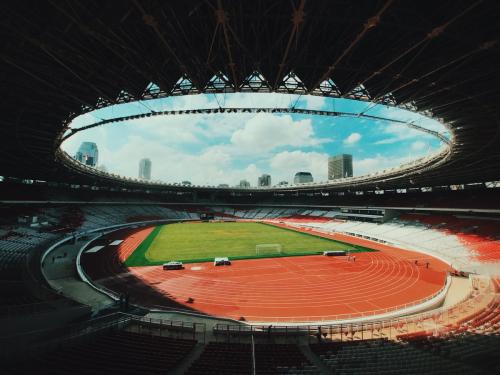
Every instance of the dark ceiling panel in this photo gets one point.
(57, 56)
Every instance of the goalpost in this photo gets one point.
(268, 249)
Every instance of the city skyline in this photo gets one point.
(226, 148)
(88, 152)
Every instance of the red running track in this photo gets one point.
(298, 288)
(309, 288)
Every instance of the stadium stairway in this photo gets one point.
(315, 360)
(114, 352)
(188, 360)
(233, 358)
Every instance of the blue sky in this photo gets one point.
(225, 148)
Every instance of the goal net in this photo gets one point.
(268, 249)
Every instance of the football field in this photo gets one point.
(201, 242)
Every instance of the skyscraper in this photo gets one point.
(88, 154)
(264, 180)
(244, 184)
(302, 177)
(339, 166)
(145, 169)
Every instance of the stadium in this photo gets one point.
(389, 271)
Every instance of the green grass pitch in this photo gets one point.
(202, 242)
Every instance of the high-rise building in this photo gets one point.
(145, 169)
(302, 177)
(244, 184)
(339, 166)
(264, 180)
(88, 154)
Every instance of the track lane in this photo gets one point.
(307, 288)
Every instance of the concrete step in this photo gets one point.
(189, 360)
(315, 360)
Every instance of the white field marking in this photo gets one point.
(94, 249)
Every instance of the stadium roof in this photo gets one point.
(62, 58)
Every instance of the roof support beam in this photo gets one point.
(221, 17)
(370, 23)
(434, 33)
(297, 20)
(153, 23)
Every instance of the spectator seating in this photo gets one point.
(462, 242)
(456, 349)
(236, 358)
(281, 359)
(480, 235)
(120, 353)
(223, 359)
(475, 350)
(15, 246)
(381, 356)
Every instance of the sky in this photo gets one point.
(215, 149)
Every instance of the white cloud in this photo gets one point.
(376, 163)
(285, 164)
(399, 132)
(190, 128)
(197, 101)
(178, 147)
(225, 148)
(265, 132)
(418, 146)
(379, 162)
(314, 101)
(352, 139)
(386, 141)
(174, 129)
(168, 164)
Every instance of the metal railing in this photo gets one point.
(42, 340)
(115, 296)
(373, 313)
(438, 320)
(440, 317)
